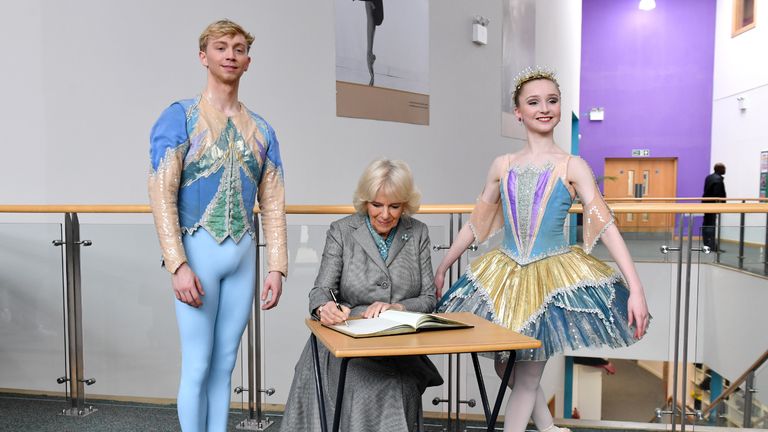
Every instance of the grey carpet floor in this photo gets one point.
(20, 413)
(24, 413)
(630, 395)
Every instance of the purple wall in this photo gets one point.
(652, 72)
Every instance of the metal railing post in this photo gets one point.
(456, 396)
(450, 242)
(678, 292)
(742, 223)
(673, 412)
(677, 321)
(451, 280)
(450, 391)
(765, 248)
(719, 219)
(457, 402)
(458, 261)
(256, 420)
(749, 388)
(446, 285)
(74, 320)
(689, 251)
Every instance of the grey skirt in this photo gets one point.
(380, 394)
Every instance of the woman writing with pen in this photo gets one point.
(338, 306)
(374, 260)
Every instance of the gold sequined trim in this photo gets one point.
(163, 188)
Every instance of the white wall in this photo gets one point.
(94, 76)
(88, 79)
(727, 343)
(558, 45)
(738, 136)
(738, 67)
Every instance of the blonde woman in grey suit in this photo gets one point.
(374, 260)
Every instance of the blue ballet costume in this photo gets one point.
(536, 283)
(207, 172)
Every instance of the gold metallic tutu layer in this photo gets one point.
(521, 292)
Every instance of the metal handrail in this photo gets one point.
(625, 207)
(735, 384)
(649, 206)
(685, 199)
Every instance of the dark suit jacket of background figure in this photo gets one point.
(714, 187)
(381, 394)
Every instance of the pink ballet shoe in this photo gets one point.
(610, 369)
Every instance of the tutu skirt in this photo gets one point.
(571, 300)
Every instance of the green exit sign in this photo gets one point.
(641, 152)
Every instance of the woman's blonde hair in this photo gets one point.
(221, 28)
(393, 178)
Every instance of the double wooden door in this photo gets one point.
(641, 178)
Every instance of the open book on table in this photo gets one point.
(392, 322)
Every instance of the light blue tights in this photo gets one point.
(210, 335)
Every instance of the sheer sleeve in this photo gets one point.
(271, 197)
(597, 218)
(486, 219)
(168, 146)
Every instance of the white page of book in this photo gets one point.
(410, 318)
(367, 326)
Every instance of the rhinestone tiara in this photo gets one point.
(533, 73)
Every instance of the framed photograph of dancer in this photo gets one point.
(382, 60)
(518, 44)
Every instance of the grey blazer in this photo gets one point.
(353, 268)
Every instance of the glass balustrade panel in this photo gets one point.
(130, 336)
(737, 246)
(131, 340)
(731, 321)
(32, 331)
(760, 398)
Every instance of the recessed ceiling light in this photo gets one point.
(647, 5)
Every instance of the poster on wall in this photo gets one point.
(382, 60)
(518, 52)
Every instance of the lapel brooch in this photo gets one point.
(405, 237)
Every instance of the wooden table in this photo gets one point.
(485, 336)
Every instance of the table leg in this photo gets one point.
(502, 389)
(340, 394)
(481, 387)
(318, 384)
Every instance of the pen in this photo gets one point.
(338, 306)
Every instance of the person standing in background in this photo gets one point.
(714, 187)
